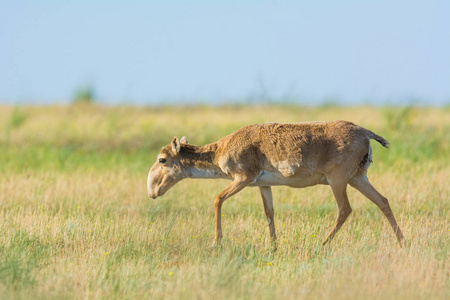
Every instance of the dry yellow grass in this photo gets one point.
(75, 221)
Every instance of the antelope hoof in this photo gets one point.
(216, 244)
(404, 243)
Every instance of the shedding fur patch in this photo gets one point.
(286, 168)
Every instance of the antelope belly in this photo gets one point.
(267, 178)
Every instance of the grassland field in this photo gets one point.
(76, 222)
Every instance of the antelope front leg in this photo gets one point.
(266, 194)
(237, 185)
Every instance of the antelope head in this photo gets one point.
(167, 170)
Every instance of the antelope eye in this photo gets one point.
(162, 160)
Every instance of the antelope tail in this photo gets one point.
(378, 138)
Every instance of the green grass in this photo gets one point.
(75, 221)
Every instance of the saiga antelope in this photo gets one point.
(264, 155)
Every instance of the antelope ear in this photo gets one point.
(175, 145)
(184, 140)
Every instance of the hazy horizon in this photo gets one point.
(174, 52)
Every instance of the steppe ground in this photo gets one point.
(76, 222)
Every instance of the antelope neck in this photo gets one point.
(198, 162)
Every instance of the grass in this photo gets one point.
(75, 221)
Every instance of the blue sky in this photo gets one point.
(152, 52)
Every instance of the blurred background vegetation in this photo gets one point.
(74, 136)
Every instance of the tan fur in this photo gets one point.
(297, 155)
